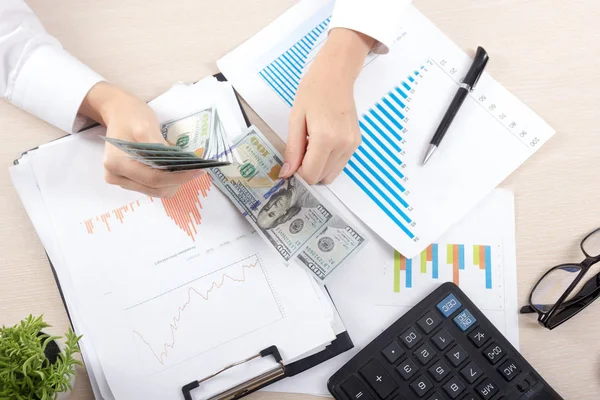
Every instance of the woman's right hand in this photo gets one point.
(128, 118)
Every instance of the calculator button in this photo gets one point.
(421, 386)
(354, 389)
(429, 322)
(439, 370)
(442, 339)
(464, 320)
(523, 385)
(425, 354)
(457, 355)
(449, 305)
(471, 372)
(478, 336)
(487, 389)
(378, 378)
(407, 369)
(509, 370)
(526, 383)
(494, 353)
(393, 352)
(454, 387)
(410, 337)
(469, 397)
(435, 396)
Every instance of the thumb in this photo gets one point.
(296, 145)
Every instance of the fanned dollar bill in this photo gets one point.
(287, 213)
(197, 141)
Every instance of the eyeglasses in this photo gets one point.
(561, 292)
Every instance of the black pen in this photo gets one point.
(468, 84)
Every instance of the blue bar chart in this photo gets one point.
(284, 73)
(377, 167)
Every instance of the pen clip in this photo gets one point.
(479, 62)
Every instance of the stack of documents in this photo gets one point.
(166, 291)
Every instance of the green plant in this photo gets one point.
(25, 372)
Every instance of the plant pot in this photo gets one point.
(53, 349)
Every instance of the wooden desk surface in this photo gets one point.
(545, 52)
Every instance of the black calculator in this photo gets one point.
(443, 348)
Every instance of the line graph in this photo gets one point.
(183, 208)
(236, 299)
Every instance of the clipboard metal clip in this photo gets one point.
(244, 388)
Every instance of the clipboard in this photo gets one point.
(339, 345)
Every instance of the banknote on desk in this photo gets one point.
(287, 213)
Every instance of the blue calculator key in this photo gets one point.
(464, 320)
(449, 305)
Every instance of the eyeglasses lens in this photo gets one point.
(553, 285)
(591, 245)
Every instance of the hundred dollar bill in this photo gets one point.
(195, 133)
(287, 213)
(330, 247)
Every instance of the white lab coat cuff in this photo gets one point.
(379, 19)
(52, 85)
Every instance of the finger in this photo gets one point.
(337, 169)
(147, 176)
(317, 154)
(332, 161)
(342, 161)
(296, 145)
(337, 165)
(128, 184)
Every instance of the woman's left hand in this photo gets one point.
(323, 127)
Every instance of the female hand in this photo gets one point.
(128, 118)
(323, 127)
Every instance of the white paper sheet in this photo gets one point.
(400, 98)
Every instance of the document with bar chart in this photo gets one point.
(477, 254)
(400, 97)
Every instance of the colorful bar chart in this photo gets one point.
(456, 266)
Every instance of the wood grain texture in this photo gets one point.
(545, 52)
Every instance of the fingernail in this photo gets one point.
(199, 172)
(285, 168)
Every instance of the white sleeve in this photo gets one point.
(36, 73)
(378, 19)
